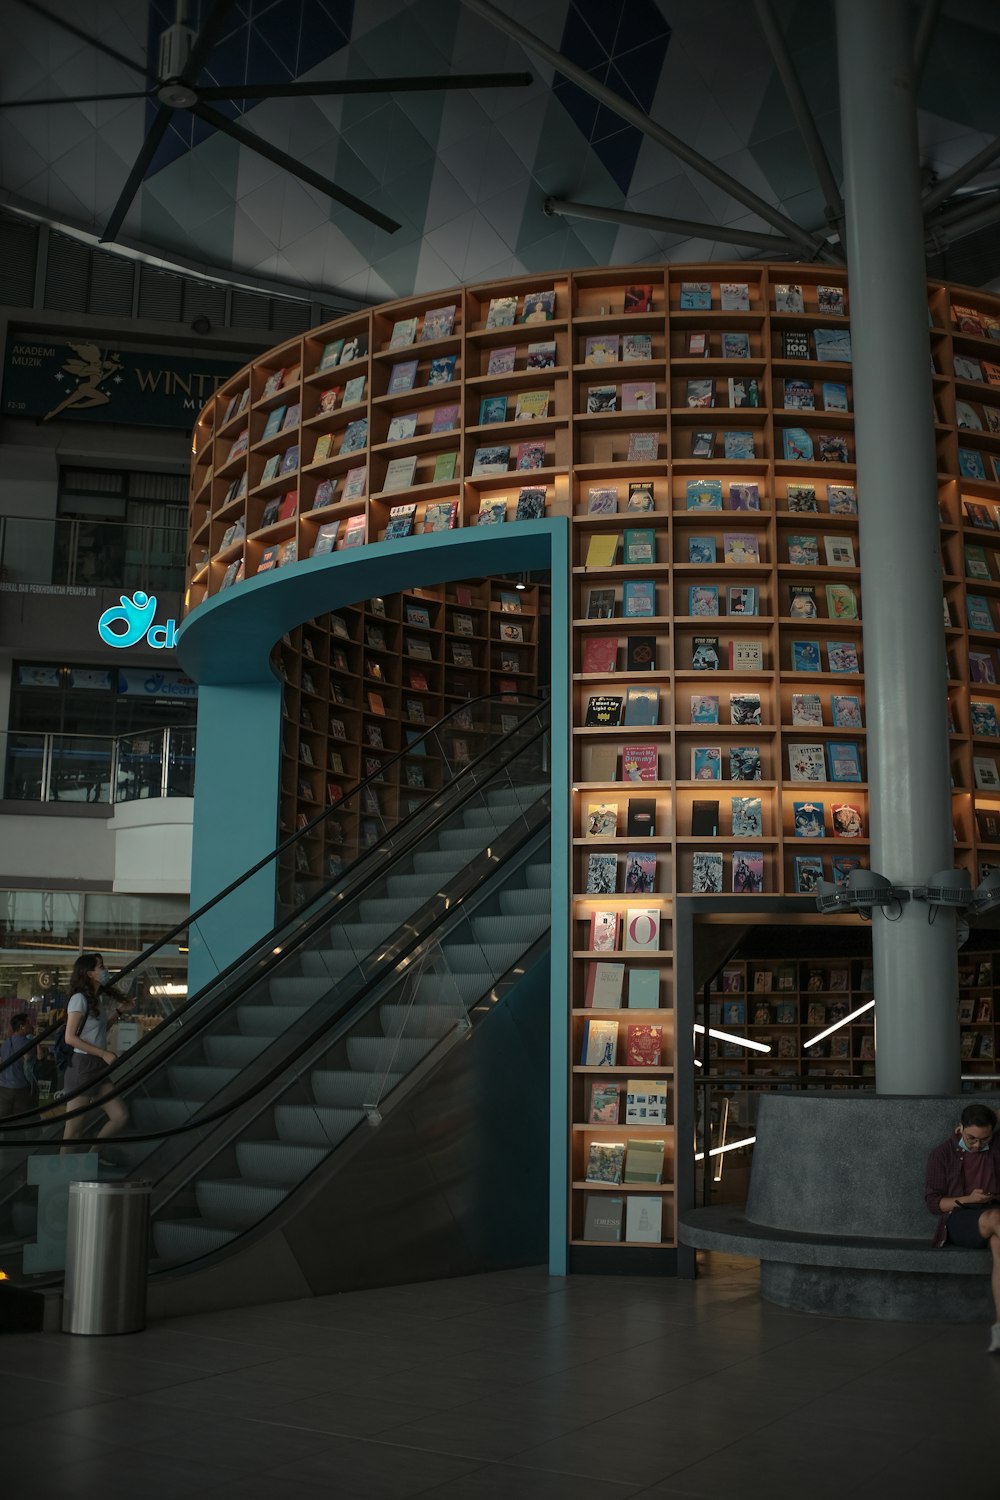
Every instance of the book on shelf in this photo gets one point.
(799, 394)
(701, 549)
(808, 874)
(738, 445)
(531, 405)
(748, 872)
(703, 599)
(602, 1217)
(604, 711)
(741, 547)
(601, 349)
(326, 538)
(835, 396)
(638, 395)
(801, 498)
(639, 545)
(744, 708)
(706, 873)
(746, 655)
(703, 494)
(742, 599)
(842, 656)
(538, 307)
(833, 345)
(734, 1012)
(805, 656)
(643, 447)
(705, 818)
(830, 301)
(643, 1046)
(601, 398)
(807, 709)
(492, 511)
(602, 500)
(492, 409)
(735, 345)
(695, 296)
(705, 655)
(541, 355)
(502, 312)
(977, 609)
(841, 601)
(600, 654)
(442, 370)
(796, 443)
(440, 515)
(438, 323)
(743, 390)
(602, 874)
(706, 763)
(642, 707)
(984, 770)
(644, 1161)
(795, 344)
(806, 762)
(641, 817)
(602, 549)
(643, 988)
(600, 1044)
(602, 820)
(605, 1161)
(399, 475)
(802, 601)
(636, 348)
(639, 762)
(355, 483)
(698, 344)
(809, 820)
(501, 361)
(355, 436)
(605, 980)
(788, 298)
(844, 760)
(639, 599)
(832, 448)
(846, 820)
(703, 445)
(404, 332)
(601, 604)
(530, 501)
(444, 418)
(841, 500)
(604, 1103)
(747, 817)
(704, 708)
(640, 873)
(491, 460)
(605, 928)
(269, 556)
(700, 392)
(734, 296)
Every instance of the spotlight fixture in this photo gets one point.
(986, 896)
(201, 324)
(865, 890)
(832, 898)
(946, 888)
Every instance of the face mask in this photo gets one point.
(979, 1146)
(102, 976)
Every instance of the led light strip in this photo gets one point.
(729, 1146)
(742, 1041)
(837, 1025)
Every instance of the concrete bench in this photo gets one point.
(835, 1211)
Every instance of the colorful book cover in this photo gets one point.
(748, 872)
(704, 494)
(701, 549)
(801, 498)
(639, 763)
(531, 405)
(704, 708)
(493, 460)
(602, 500)
(705, 655)
(842, 656)
(706, 873)
(808, 820)
(846, 820)
(744, 763)
(796, 443)
(846, 710)
(492, 409)
(806, 763)
(738, 445)
(741, 547)
(805, 656)
(403, 377)
(747, 817)
(442, 370)
(744, 497)
(844, 760)
(640, 874)
(438, 323)
(639, 598)
(601, 349)
(703, 599)
(636, 348)
(735, 345)
(695, 296)
(638, 395)
(541, 356)
(530, 456)
(643, 447)
(706, 763)
(808, 874)
(642, 707)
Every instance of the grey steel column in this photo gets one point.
(904, 649)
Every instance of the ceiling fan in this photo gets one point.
(182, 57)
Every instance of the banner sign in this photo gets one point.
(97, 383)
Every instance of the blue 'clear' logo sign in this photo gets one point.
(136, 614)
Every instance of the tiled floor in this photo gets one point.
(513, 1384)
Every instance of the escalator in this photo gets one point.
(251, 1103)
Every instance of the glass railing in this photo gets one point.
(85, 553)
(99, 768)
(358, 993)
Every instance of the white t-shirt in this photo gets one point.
(94, 1029)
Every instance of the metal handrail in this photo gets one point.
(47, 748)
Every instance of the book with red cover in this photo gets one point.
(643, 1046)
(604, 928)
(600, 653)
(289, 505)
(639, 763)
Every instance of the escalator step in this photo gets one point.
(358, 938)
(510, 929)
(416, 888)
(483, 817)
(324, 963)
(158, 1113)
(302, 989)
(419, 1020)
(194, 1081)
(342, 1088)
(233, 1203)
(389, 911)
(268, 1020)
(233, 1050)
(277, 1161)
(517, 796)
(379, 1054)
(538, 877)
(300, 1125)
(472, 958)
(438, 862)
(178, 1240)
(462, 838)
(518, 901)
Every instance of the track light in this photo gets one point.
(986, 896)
(865, 890)
(946, 888)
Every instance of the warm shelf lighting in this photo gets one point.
(837, 1024)
(729, 1146)
(727, 1036)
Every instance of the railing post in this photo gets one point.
(164, 760)
(46, 777)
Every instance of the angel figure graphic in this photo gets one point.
(92, 369)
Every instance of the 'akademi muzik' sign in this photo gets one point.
(92, 382)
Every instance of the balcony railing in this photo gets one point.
(98, 768)
(82, 553)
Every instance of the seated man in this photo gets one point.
(963, 1188)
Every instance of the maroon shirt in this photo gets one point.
(948, 1167)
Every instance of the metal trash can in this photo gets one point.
(107, 1250)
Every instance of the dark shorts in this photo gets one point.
(963, 1229)
(83, 1074)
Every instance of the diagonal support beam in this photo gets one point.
(690, 228)
(85, 36)
(922, 42)
(961, 175)
(802, 113)
(296, 168)
(976, 213)
(812, 245)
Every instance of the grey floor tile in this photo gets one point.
(501, 1481)
(376, 1471)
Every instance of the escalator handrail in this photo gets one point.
(266, 942)
(453, 901)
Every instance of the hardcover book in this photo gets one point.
(735, 345)
(602, 398)
(706, 873)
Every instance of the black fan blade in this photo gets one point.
(296, 168)
(85, 36)
(206, 39)
(72, 99)
(139, 168)
(314, 89)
